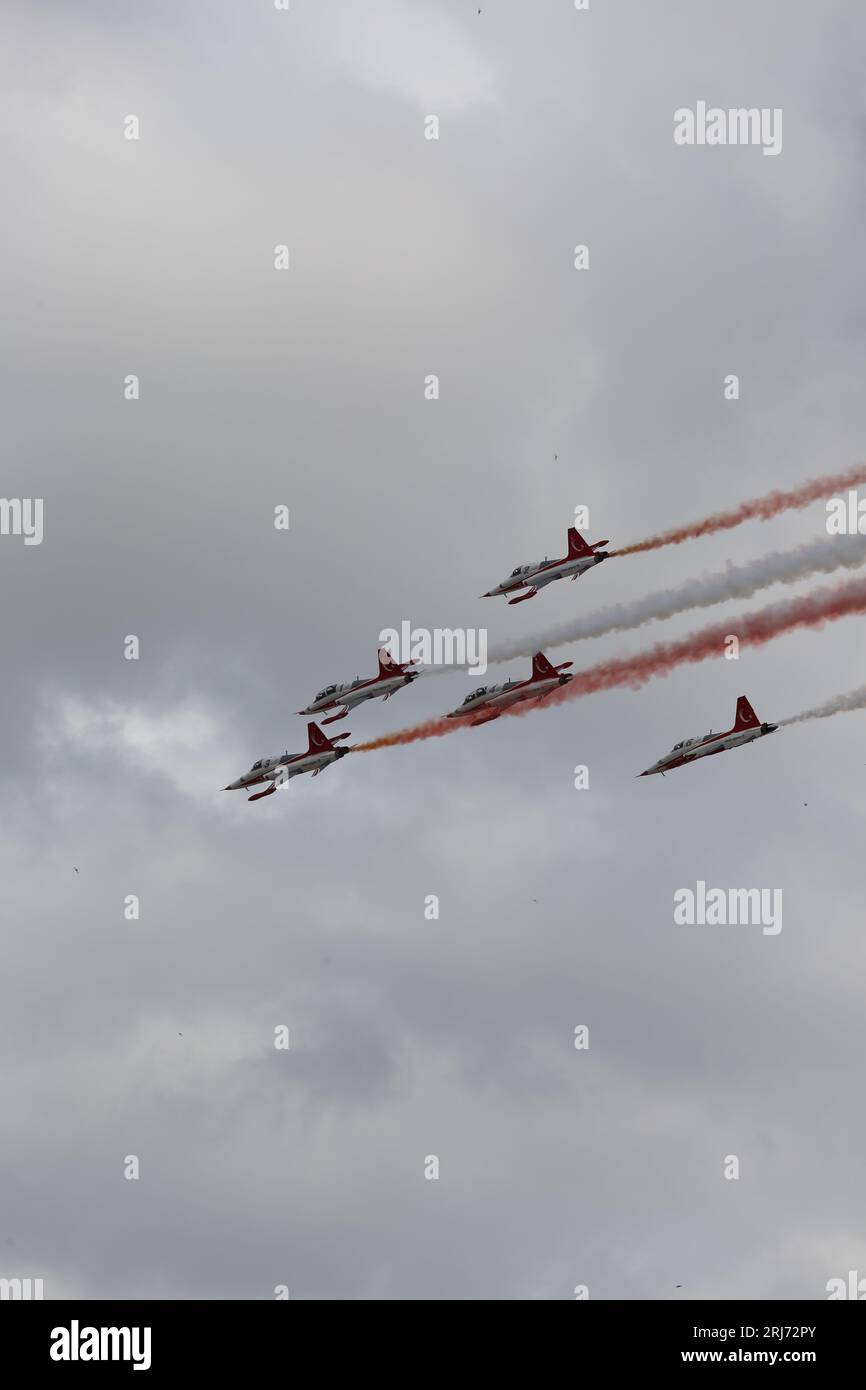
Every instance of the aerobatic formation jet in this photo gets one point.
(391, 678)
(538, 574)
(488, 701)
(747, 727)
(321, 752)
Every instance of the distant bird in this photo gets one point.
(75, 868)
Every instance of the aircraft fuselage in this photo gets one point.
(544, 572)
(286, 766)
(708, 745)
(497, 698)
(351, 695)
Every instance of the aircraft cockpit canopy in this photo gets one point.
(687, 741)
(482, 690)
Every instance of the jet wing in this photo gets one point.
(540, 581)
(354, 697)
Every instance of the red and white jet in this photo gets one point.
(537, 575)
(391, 678)
(488, 701)
(321, 752)
(747, 727)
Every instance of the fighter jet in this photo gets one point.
(391, 678)
(747, 727)
(488, 701)
(538, 574)
(322, 751)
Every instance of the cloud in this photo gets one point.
(182, 745)
(421, 53)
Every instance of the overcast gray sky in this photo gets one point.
(410, 1037)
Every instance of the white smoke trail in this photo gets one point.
(840, 704)
(737, 581)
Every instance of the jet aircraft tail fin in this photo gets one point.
(318, 741)
(746, 717)
(577, 546)
(389, 667)
(542, 669)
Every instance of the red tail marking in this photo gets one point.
(541, 668)
(577, 546)
(746, 717)
(319, 742)
(389, 667)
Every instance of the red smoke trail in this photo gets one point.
(762, 507)
(753, 629)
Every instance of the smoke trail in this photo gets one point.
(753, 629)
(761, 507)
(737, 581)
(840, 704)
